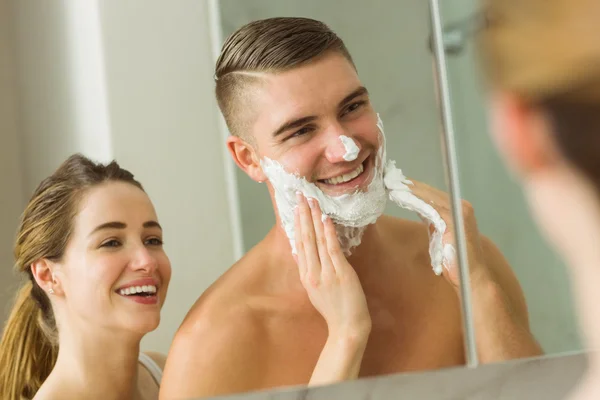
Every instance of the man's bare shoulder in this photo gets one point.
(227, 301)
(221, 322)
(401, 226)
(218, 347)
(405, 234)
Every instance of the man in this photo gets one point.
(288, 90)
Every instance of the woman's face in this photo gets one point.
(563, 201)
(115, 273)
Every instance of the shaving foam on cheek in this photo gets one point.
(352, 149)
(351, 213)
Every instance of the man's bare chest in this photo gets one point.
(402, 339)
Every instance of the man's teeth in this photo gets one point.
(345, 178)
(137, 289)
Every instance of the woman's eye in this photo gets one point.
(111, 243)
(154, 242)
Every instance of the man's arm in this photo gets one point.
(499, 309)
(213, 356)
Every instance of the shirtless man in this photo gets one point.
(288, 90)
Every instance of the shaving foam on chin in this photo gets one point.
(352, 213)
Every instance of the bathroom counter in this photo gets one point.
(548, 378)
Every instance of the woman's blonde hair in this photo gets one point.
(548, 53)
(542, 48)
(29, 344)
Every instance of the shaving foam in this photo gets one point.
(352, 149)
(352, 213)
(449, 256)
(400, 193)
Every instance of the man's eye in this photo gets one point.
(301, 132)
(354, 106)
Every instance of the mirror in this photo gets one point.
(402, 88)
(501, 210)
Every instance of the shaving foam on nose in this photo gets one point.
(352, 213)
(352, 149)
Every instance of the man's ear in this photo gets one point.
(245, 157)
(523, 134)
(43, 273)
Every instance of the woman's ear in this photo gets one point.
(523, 134)
(43, 273)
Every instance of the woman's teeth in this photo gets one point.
(345, 178)
(137, 289)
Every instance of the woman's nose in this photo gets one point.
(144, 260)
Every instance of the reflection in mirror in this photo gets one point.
(500, 206)
(274, 320)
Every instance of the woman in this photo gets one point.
(542, 60)
(90, 247)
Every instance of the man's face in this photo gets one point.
(299, 116)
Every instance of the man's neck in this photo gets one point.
(364, 258)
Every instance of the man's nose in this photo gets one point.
(340, 146)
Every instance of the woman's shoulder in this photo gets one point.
(150, 375)
(159, 358)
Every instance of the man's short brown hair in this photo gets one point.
(267, 46)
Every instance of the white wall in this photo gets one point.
(164, 124)
(49, 102)
(130, 80)
(58, 115)
(11, 187)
